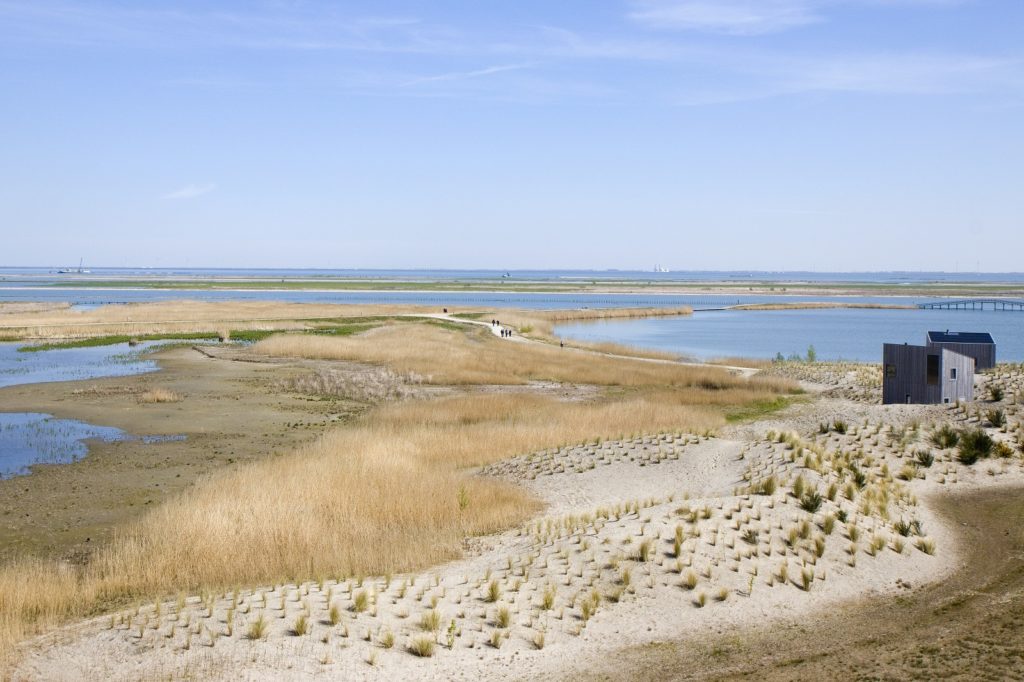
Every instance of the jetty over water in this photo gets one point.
(975, 304)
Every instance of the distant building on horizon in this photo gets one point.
(942, 371)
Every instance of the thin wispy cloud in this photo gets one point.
(751, 17)
(191, 191)
(736, 17)
(922, 74)
(462, 75)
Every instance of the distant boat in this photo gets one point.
(71, 271)
(658, 268)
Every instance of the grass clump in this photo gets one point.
(547, 599)
(301, 625)
(945, 437)
(811, 502)
(975, 444)
(997, 418)
(766, 486)
(422, 646)
(431, 621)
(493, 591)
(159, 395)
(257, 628)
(360, 601)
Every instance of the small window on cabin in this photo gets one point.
(946, 400)
(952, 374)
(890, 371)
(933, 370)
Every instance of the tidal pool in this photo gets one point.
(71, 364)
(28, 438)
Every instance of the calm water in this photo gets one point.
(34, 284)
(835, 334)
(28, 438)
(453, 299)
(71, 364)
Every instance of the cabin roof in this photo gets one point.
(960, 337)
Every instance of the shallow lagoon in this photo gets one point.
(838, 334)
(28, 438)
(71, 364)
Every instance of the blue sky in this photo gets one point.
(694, 134)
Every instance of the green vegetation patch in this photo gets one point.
(759, 409)
(120, 338)
(341, 326)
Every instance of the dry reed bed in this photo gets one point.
(441, 356)
(749, 363)
(542, 322)
(21, 308)
(183, 316)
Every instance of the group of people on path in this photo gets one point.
(505, 333)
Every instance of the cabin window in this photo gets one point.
(946, 400)
(908, 399)
(933, 370)
(952, 374)
(890, 371)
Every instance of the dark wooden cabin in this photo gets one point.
(925, 375)
(978, 345)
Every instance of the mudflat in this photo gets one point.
(229, 412)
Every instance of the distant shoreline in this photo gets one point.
(650, 287)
